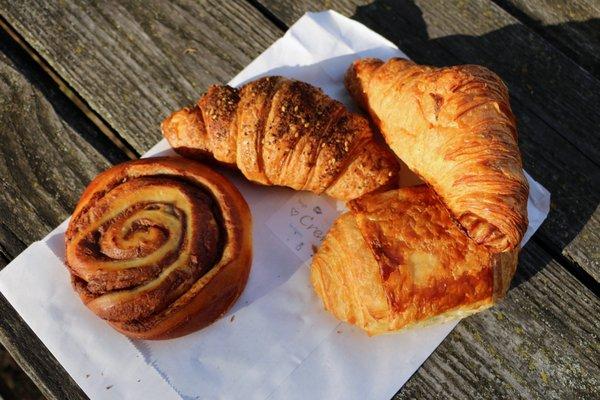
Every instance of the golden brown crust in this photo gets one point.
(454, 127)
(284, 132)
(397, 259)
(159, 247)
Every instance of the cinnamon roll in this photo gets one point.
(159, 247)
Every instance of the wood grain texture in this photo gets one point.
(134, 62)
(14, 383)
(48, 155)
(562, 155)
(571, 26)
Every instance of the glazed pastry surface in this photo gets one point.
(159, 247)
(398, 259)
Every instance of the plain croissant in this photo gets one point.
(398, 259)
(283, 132)
(454, 128)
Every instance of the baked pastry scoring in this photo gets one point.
(283, 132)
(159, 247)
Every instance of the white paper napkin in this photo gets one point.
(276, 342)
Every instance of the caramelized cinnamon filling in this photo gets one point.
(143, 243)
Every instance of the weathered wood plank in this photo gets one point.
(447, 32)
(49, 153)
(136, 61)
(571, 26)
(14, 383)
(535, 344)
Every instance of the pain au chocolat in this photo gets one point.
(398, 259)
(159, 247)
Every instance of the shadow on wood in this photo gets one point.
(578, 40)
(62, 105)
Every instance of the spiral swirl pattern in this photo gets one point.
(147, 234)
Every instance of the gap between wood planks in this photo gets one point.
(268, 15)
(579, 273)
(64, 87)
(586, 279)
(3, 258)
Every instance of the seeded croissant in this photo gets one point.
(283, 132)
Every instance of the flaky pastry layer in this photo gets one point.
(398, 259)
(454, 127)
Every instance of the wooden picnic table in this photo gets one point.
(85, 84)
